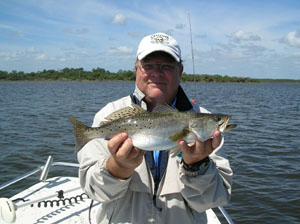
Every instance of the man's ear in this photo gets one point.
(180, 70)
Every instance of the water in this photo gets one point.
(263, 150)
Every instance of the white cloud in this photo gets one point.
(20, 54)
(244, 36)
(76, 31)
(3, 26)
(14, 33)
(293, 38)
(9, 57)
(62, 59)
(41, 57)
(136, 34)
(119, 18)
(180, 26)
(31, 49)
(120, 50)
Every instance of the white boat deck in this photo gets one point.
(76, 212)
(58, 200)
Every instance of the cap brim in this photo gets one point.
(143, 54)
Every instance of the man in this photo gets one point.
(135, 186)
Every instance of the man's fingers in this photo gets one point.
(199, 150)
(115, 143)
(125, 149)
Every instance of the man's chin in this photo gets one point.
(158, 98)
(157, 91)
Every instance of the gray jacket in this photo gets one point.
(181, 197)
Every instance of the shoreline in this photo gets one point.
(272, 81)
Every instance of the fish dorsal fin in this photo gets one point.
(138, 109)
(163, 108)
(124, 112)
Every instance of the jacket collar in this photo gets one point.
(182, 101)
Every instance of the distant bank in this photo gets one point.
(100, 74)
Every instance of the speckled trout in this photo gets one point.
(160, 129)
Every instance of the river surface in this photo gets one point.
(263, 150)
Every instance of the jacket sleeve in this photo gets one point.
(208, 188)
(94, 178)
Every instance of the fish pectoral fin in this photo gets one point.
(196, 135)
(179, 135)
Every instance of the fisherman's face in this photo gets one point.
(158, 77)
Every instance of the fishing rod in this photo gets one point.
(192, 49)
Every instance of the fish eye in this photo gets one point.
(218, 119)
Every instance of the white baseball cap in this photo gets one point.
(159, 42)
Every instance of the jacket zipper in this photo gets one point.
(154, 198)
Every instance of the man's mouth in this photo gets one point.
(157, 82)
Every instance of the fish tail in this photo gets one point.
(79, 130)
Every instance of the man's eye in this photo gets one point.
(147, 67)
(167, 67)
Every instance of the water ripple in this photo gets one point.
(263, 149)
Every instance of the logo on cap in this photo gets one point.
(159, 39)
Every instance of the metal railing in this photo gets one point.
(43, 169)
(226, 215)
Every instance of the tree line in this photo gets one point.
(100, 74)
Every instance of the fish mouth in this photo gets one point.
(223, 126)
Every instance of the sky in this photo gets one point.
(249, 38)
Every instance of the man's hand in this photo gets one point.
(197, 151)
(124, 157)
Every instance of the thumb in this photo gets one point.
(216, 141)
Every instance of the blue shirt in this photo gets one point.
(156, 153)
